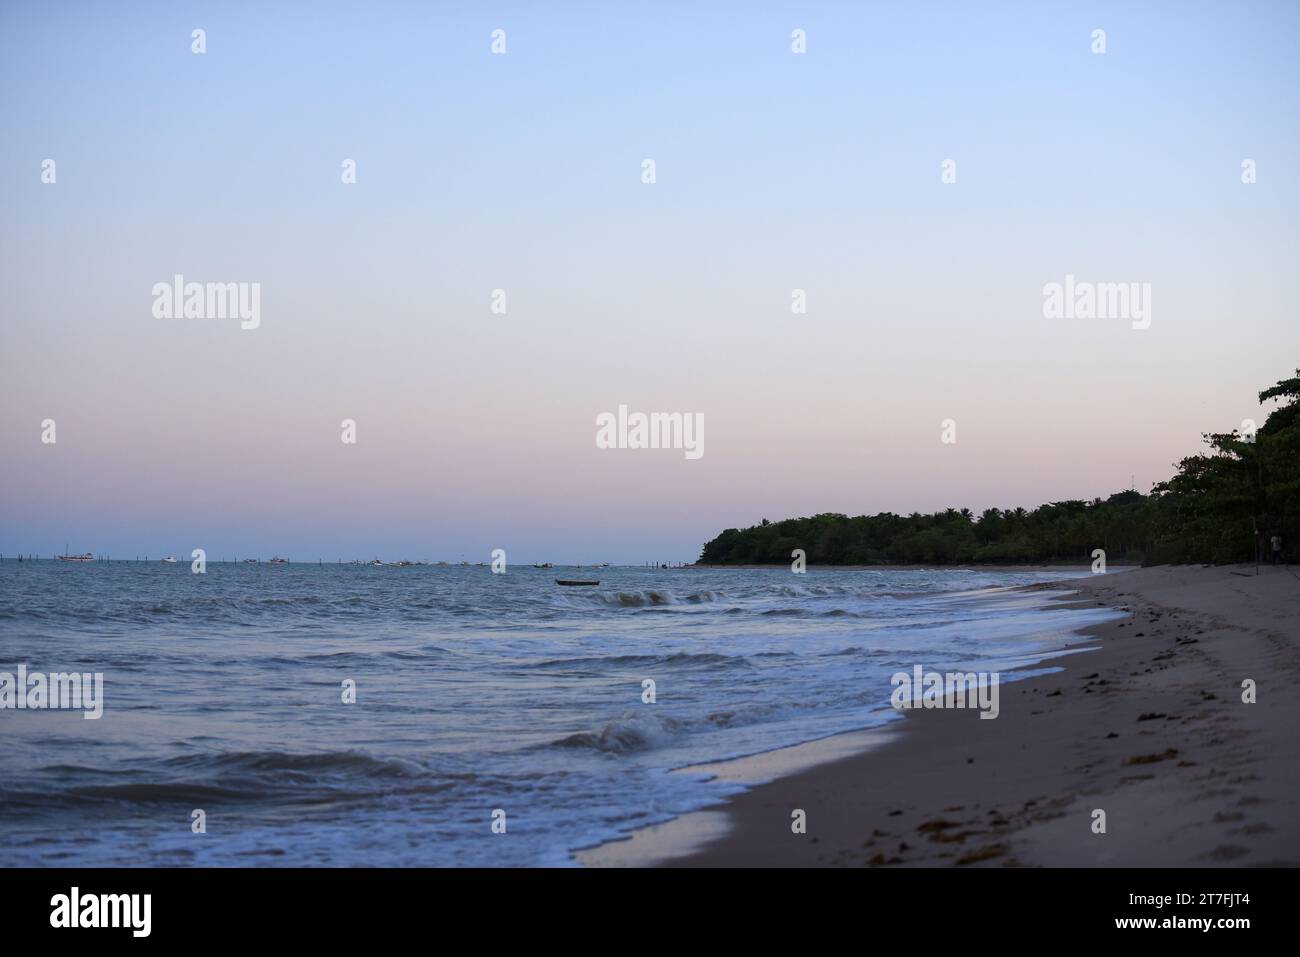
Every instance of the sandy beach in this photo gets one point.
(1147, 723)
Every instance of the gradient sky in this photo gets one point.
(475, 172)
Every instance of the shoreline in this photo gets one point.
(1080, 566)
(1145, 722)
(911, 567)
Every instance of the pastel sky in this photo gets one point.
(775, 171)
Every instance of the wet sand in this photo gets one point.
(1146, 724)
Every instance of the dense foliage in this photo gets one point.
(1215, 509)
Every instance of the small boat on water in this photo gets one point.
(279, 561)
(376, 562)
(250, 561)
(88, 557)
(169, 560)
(575, 581)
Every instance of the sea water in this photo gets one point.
(479, 698)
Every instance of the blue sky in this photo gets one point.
(476, 172)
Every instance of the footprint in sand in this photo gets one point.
(1226, 852)
(1151, 758)
(1259, 828)
(983, 854)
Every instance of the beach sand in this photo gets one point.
(1147, 724)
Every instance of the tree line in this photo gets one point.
(1222, 505)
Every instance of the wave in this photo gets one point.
(676, 658)
(813, 591)
(289, 765)
(240, 777)
(615, 737)
(654, 596)
(814, 613)
(639, 733)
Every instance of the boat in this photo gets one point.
(279, 561)
(575, 581)
(250, 561)
(169, 560)
(376, 562)
(69, 557)
(545, 565)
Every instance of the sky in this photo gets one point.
(522, 171)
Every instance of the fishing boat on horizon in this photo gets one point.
(87, 557)
(169, 560)
(278, 561)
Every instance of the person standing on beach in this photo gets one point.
(1277, 548)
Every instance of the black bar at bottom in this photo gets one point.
(331, 906)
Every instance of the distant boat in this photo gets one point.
(250, 561)
(376, 562)
(279, 561)
(88, 557)
(574, 581)
(545, 565)
(169, 560)
(404, 563)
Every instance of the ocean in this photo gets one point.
(479, 699)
